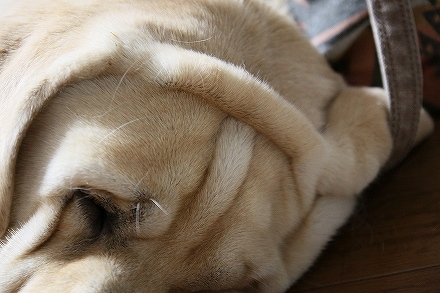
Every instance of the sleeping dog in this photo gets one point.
(173, 146)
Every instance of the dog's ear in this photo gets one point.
(245, 98)
(30, 74)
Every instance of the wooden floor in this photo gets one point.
(392, 243)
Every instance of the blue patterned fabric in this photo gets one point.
(332, 25)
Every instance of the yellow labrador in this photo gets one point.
(173, 146)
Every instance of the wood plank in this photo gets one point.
(422, 280)
(395, 229)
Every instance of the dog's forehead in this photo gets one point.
(129, 136)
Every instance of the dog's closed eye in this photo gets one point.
(98, 215)
(94, 214)
(91, 219)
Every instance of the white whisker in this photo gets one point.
(114, 130)
(192, 42)
(138, 216)
(121, 80)
(159, 206)
(140, 181)
(116, 90)
(106, 112)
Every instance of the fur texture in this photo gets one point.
(173, 146)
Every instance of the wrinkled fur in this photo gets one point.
(173, 146)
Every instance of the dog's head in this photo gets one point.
(130, 167)
(130, 179)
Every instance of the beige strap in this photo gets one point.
(394, 31)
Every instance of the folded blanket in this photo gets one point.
(339, 30)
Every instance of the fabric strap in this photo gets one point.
(394, 32)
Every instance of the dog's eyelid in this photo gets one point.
(87, 194)
(102, 198)
(99, 193)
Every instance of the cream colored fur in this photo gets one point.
(173, 146)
